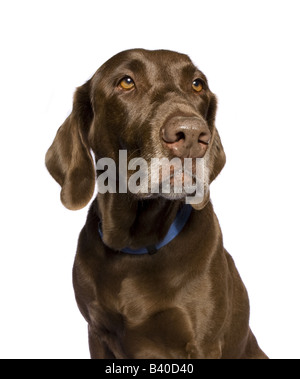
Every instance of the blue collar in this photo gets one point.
(181, 219)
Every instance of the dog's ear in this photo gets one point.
(215, 156)
(68, 159)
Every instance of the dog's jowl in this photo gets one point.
(151, 275)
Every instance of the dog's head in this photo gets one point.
(156, 106)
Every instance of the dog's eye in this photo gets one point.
(197, 85)
(126, 83)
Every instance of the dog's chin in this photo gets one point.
(187, 194)
(170, 196)
(198, 203)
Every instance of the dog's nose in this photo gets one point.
(186, 137)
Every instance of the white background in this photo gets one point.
(249, 51)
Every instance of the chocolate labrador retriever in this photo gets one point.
(151, 275)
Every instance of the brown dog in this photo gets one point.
(187, 300)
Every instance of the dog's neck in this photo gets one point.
(129, 222)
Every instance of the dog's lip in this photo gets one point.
(175, 176)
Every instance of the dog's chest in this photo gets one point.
(139, 300)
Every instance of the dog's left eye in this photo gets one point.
(126, 83)
(197, 85)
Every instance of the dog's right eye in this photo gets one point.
(126, 83)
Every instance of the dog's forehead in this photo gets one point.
(156, 63)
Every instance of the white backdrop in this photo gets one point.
(249, 51)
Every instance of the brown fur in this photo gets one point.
(187, 300)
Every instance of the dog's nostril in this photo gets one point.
(203, 138)
(179, 136)
(170, 136)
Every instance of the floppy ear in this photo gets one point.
(215, 156)
(68, 159)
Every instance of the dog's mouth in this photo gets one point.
(178, 179)
(172, 179)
